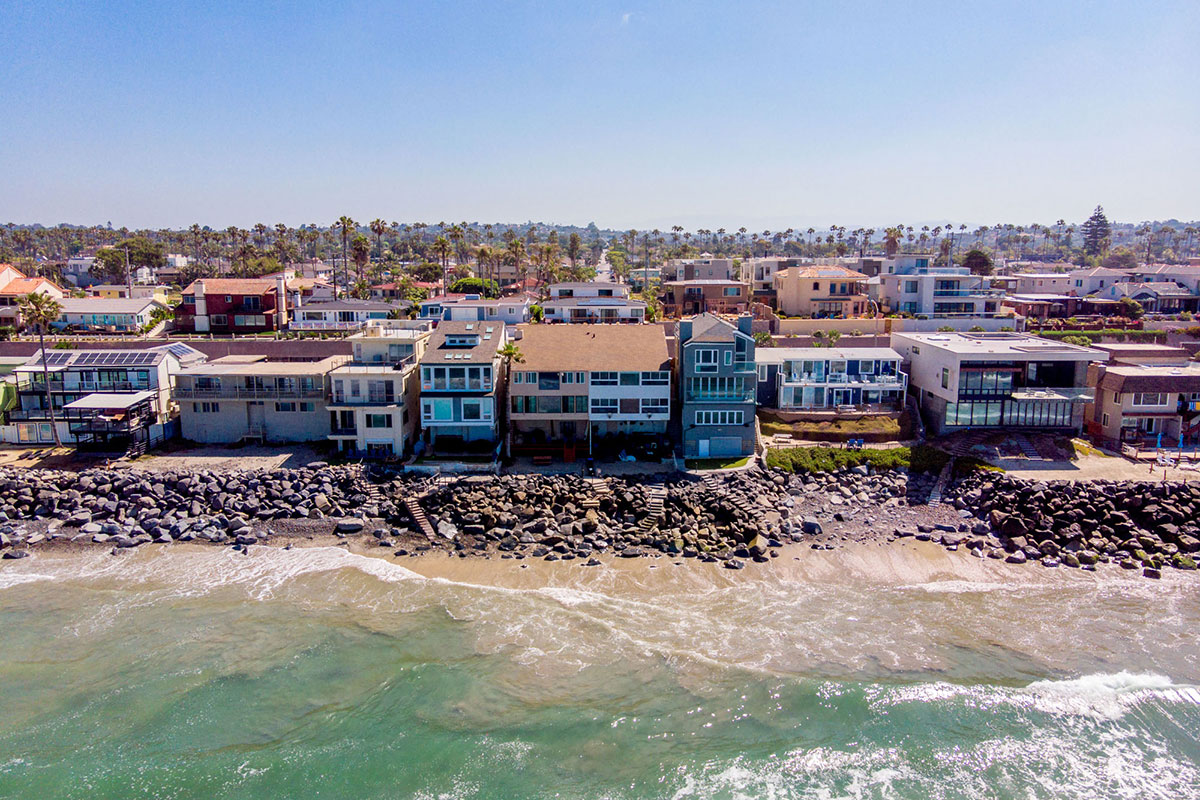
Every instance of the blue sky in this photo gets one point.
(629, 114)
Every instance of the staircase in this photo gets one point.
(717, 486)
(417, 514)
(136, 449)
(935, 494)
(600, 490)
(656, 497)
(1026, 447)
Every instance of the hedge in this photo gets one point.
(921, 458)
(1119, 334)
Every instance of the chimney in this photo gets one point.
(281, 300)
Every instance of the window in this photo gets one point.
(307, 407)
(604, 405)
(732, 291)
(568, 377)
(910, 287)
(728, 357)
(604, 379)
(379, 420)
(1104, 420)
(762, 372)
(283, 407)
(206, 408)
(630, 378)
(228, 298)
(219, 319)
(471, 411)
(1149, 399)
(548, 381)
(656, 405)
(656, 378)
(706, 360)
(866, 367)
(816, 286)
(945, 377)
(437, 409)
(916, 350)
(718, 417)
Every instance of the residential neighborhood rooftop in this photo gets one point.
(593, 347)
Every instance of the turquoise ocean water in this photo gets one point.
(318, 673)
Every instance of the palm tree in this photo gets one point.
(379, 227)
(344, 225)
(40, 310)
(442, 247)
(509, 354)
(516, 254)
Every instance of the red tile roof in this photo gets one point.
(23, 286)
(232, 286)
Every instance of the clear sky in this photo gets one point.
(630, 114)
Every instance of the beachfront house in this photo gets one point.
(595, 388)
(461, 376)
(830, 379)
(240, 398)
(373, 405)
(118, 398)
(717, 384)
(997, 380)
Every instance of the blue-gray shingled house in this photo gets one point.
(717, 380)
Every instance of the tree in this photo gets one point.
(345, 226)
(40, 310)
(649, 296)
(509, 354)
(110, 261)
(574, 249)
(978, 262)
(1120, 258)
(379, 227)
(1131, 309)
(442, 248)
(832, 336)
(891, 241)
(1078, 341)
(480, 286)
(360, 251)
(1097, 233)
(763, 339)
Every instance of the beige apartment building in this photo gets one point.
(821, 292)
(373, 399)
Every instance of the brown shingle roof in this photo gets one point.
(482, 353)
(1165, 378)
(593, 347)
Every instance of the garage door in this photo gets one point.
(724, 446)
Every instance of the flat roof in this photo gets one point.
(777, 355)
(1015, 345)
(222, 367)
(103, 400)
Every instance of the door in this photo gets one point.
(256, 417)
(702, 448)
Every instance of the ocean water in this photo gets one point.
(197, 673)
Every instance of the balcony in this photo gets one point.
(968, 293)
(894, 381)
(368, 399)
(456, 385)
(247, 393)
(343, 431)
(325, 325)
(747, 396)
